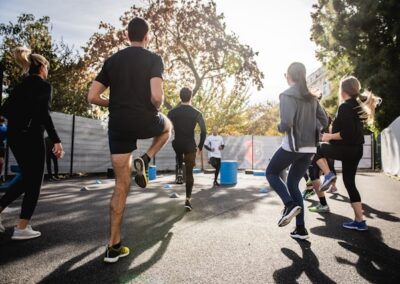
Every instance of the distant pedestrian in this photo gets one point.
(3, 138)
(50, 157)
(214, 145)
(184, 118)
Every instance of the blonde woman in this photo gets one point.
(346, 142)
(28, 114)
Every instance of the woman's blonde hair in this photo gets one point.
(28, 61)
(367, 100)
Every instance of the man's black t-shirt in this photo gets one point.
(184, 118)
(128, 73)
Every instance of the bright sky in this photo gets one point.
(278, 30)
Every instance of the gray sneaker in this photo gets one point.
(2, 229)
(320, 208)
(25, 234)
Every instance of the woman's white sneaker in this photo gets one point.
(25, 234)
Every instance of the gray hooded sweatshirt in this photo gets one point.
(302, 119)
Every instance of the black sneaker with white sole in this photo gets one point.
(289, 212)
(300, 233)
(113, 254)
(188, 205)
(179, 180)
(141, 167)
(179, 176)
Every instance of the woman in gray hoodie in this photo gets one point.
(302, 118)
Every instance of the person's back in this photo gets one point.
(185, 118)
(134, 78)
(128, 73)
(24, 107)
(349, 124)
(302, 118)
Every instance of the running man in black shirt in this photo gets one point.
(185, 118)
(134, 76)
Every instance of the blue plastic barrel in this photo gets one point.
(228, 172)
(152, 172)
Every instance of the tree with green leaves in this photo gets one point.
(263, 119)
(69, 87)
(198, 52)
(362, 37)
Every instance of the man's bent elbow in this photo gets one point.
(89, 99)
(157, 101)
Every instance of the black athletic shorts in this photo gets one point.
(123, 142)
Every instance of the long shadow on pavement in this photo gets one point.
(74, 226)
(376, 262)
(368, 210)
(307, 263)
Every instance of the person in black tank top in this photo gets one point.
(184, 118)
(346, 142)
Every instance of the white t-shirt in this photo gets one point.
(286, 146)
(214, 142)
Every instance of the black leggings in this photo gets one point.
(186, 152)
(51, 157)
(350, 155)
(216, 163)
(29, 151)
(315, 171)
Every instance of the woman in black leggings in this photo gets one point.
(28, 114)
(346, 142)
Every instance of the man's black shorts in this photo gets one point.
(123, 142)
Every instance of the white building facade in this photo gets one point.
(318, 82)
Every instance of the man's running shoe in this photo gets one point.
(307, 193)
(332, 189)
(299, 233)
(142, 168)
(320, 208)
(188, 205)
(288, 214)
(354, 225)
(2, 228)
(25, 234)
(179, 176)
(112, 254)
(179, 180)
(309, 184)
(328, 180)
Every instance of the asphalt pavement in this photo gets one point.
(231, 236)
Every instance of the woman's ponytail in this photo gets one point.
(28, 61)
(22, 57)
(367, 100)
